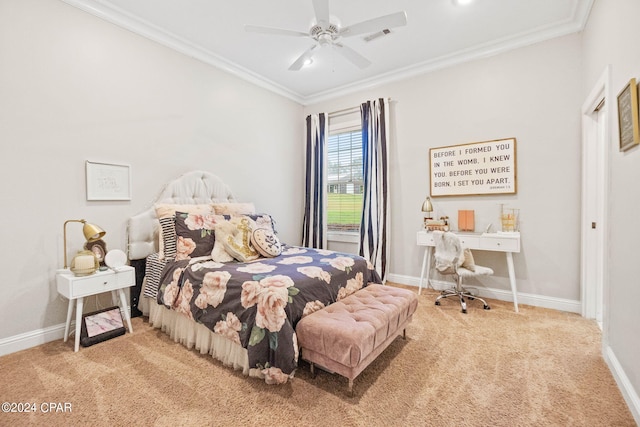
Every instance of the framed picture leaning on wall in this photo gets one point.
(628, 116)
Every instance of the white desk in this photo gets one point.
(497, 242)
(77, 287)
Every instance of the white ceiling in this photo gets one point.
(438, 33)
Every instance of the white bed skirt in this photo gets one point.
(192, 334)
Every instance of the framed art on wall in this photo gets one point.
(107, 181)
(628, 116)
(477, 168)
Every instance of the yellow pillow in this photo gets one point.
(236, 238)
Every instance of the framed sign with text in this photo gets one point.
(474, 169)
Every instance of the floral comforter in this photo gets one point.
(258, 304)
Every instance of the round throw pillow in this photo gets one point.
(266, 242)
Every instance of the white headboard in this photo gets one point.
(195, 187)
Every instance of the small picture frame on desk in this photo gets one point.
(99, 249)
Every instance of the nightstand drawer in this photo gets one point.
(471, 242)
(501, 244)
(93, 284)
(102, 281)
(425, 239)
(125, 278)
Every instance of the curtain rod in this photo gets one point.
(346, 111)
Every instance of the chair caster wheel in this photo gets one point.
(437, 302)
(464, 311)
(486, 307)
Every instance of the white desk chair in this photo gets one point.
(449, 258)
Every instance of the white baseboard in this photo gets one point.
(39, 336)
(31, 339)
(572, 306)
(626, 388)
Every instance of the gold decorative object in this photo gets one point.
(84, 263)
(509, 219)
(91, 233)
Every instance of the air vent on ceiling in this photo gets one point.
(374, 36)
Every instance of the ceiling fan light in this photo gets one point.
(307, 62)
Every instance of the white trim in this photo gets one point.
(39, 336)
(601, 92)
(150, 31)
(562, 304)
(123, 19)
(480, 51)
(624, 384)
(31, 339)
(338, 236)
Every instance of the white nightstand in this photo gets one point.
(78, 287)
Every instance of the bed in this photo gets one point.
(205, 287)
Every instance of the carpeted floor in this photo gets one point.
(486, 368)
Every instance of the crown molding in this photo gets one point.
(144, 28)
(150, 31)
(574, 25)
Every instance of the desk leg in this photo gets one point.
(68, 325)
(127, 316)
(79, 308)
(426, 265)
(512, 279)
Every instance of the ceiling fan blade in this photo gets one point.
(302, 58)
(352, 55)
(397, 19)
(321, 8)
(274, 31)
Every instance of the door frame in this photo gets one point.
(596, 124)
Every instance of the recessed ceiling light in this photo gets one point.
(462, 2)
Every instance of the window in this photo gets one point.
(344, 181)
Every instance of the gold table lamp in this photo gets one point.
(427, 206)
(91, 233)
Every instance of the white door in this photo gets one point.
(595, 149)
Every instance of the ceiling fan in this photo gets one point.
(327, 33)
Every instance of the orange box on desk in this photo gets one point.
(466, 221)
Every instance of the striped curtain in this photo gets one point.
(374, 226)
(314, 225)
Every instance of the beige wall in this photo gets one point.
(74, 88)
(532, 94)
(611, 37)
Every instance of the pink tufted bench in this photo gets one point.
(345, 337)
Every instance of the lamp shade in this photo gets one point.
(92, 232)
(427, 206)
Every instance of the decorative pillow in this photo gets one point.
(219, 254)
(263, 221)
(166, 213)
(235, 235)
(234, 208)
(468, 262)
(194, 234)
(265, 241)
